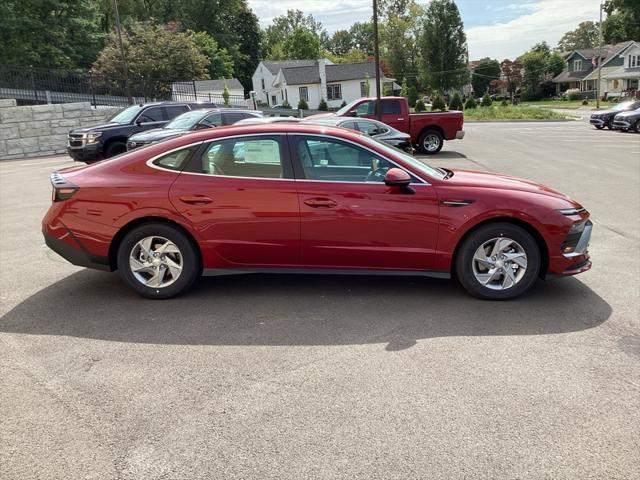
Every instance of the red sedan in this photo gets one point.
(311, 199)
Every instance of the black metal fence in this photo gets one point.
(32, 85)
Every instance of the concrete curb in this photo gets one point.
(532, 120)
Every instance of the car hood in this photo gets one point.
(605, 112)
(99, 128)
(156, 135)
(630, 113)
(469, 178)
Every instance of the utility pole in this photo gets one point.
(599, 62)
(124, 57)
(376, 52)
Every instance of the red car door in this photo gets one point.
(351, 219)
(241, 197)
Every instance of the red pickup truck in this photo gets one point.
(428, 130)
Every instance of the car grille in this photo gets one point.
(76, 140)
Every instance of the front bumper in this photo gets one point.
(598, 122)
(87, 153)
(460, 134)
(578, 260)
(622, 124)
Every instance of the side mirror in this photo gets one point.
(395, 177)
(352, 113)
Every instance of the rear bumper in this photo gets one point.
(460, 134)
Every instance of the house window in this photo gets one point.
(304, 93)
(273, 100)
(262, 79)
(634, 61)
(577, 65)
(334, 92)
(363, 89)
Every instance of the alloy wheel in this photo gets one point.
(499, 263)
(431, 142)
(156, 262)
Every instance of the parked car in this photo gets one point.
(604, 118)
(428, 130)
(266, 120)
(287, 197)
(189, 121)
(373, 128)
(628, 121)
(90, 144)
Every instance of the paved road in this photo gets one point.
(331, 377)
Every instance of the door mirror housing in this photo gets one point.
(396, 177)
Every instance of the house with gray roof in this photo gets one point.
(275, 82)
(620, 70)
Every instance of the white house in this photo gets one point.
(208, 91)
(312, 80)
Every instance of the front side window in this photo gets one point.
(213, 120)
(253, 157)
(338, 161)
(304, 93)
(334, 92)
(371, 128)
(175, 160)
(366, 108)
(153, 114)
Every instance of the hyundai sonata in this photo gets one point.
(311, 199)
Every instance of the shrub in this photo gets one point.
(412, 96)
(420, 106)
(322, 106)
(438, 104)
(286, 104)
(486, 101)
(471, 103)
(574, 94)
(585, 102)
(504, 103)
(343, 104)
(302, 104)
(531, 94)
(456, 102)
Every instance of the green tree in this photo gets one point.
(586, 35)
(322, 106)
(352, 56)
(362, 37)
(301, 44)
(340, 43)
(443, 46)
(486, 100)
(49, 33)
(512, 73)
(283, 26)
(486, 71)
(456, 102)
(156, 52)
(412, 95)
(404, 89)
(220, 62)
(225, 94)
(303, 105)
(438, 104)
(420, 107)
(622, 21)
(539, 64)
(470, 103)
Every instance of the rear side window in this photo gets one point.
(252, 157)
(232, 117)
(391, 107)
(174, 110)
(351, 125)
(176, 160)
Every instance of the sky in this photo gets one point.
(495, 28)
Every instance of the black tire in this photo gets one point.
(610, 124)
(430, 142)
(115, 148)
(465, 264)
(191, 266)
(599, 127)
(637, 127)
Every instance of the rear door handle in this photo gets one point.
(320, 202)
(196, 199)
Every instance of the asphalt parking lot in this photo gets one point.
(332, 377)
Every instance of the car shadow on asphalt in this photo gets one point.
(299, 310)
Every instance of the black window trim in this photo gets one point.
(193, 166)
(299, 169)
(143, 112)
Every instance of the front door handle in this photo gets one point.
(196, 199)
(320, 202)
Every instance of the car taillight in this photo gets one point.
(63, 189)
(62, 194)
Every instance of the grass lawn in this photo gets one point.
(518, 112)
(565, 104)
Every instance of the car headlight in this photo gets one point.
(93, 137)
(577, 227)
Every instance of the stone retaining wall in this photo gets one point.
(41, 130)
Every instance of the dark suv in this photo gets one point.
(604, 118)
(90, 144)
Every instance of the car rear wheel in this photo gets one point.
(498, 262)
(158, 261)
(599, 127)
(430, 142)
(115, 148)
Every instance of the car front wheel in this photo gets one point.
(158, 261)
(599, 127)
(498, 262)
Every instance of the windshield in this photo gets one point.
(347, 107)
(127, 115)
(187, 120)
(622, 106)
(410, 159)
